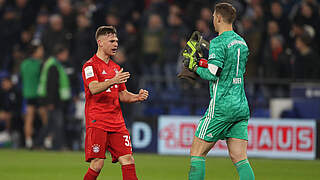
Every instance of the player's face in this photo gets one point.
(39, 52)
(109, 44)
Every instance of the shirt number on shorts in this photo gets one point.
(127, 140)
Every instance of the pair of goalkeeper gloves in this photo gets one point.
(193, 54)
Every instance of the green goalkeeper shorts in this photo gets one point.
(212, 130)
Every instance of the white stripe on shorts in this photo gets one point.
(208, 116)
(212, 112)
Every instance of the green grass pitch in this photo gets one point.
(49, 165)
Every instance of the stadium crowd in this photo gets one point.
(283, 37)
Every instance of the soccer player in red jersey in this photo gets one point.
(104, 83)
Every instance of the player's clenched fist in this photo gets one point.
(121, 77)
(143, 95)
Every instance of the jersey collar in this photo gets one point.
(96, 58)
(227, 32)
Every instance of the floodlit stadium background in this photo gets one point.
(282, 84)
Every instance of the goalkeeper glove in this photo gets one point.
(190, 63)
(193, 63)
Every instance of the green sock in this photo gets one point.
(244, 170)
(197, 168)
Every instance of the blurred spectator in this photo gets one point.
(175, 32)
(30, 74)
(277, 14)
(55, 34)
(253, 38)
(83, 42)
(26, 12)
(159, 7)
(307, 14)
(198, 9)
(9, 33)
(175, 9)
(203, 27)
(112, 19)
(276, 59)
(296, 30)
(68, 15)
(20, 50)
(307, 61)
(206, 15)
(10, 106)
(273, 28)
(152, 47)
(55, 88)
(132, 47)
(40, 26)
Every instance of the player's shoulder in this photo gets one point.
(236, 39)
(217, 42)
(89, 62)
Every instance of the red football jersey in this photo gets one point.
(102, 110)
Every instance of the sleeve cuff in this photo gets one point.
(198, 71)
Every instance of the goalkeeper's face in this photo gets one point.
(109, 44)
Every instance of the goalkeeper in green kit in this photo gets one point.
(228, 112)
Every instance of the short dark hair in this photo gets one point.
(59, 48)
(227, 11)
(104, 30)
(32, 48)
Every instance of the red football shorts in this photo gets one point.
(98, 141)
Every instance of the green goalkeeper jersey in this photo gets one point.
(229, 52)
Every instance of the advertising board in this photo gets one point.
(282, 138)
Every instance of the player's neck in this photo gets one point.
(103, 56)
(224, 28)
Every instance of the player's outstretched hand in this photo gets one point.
(121, 77)
(143, 95)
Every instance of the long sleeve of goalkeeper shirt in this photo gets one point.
(204, 73)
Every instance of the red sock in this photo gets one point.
(129, 172)
(91, 175)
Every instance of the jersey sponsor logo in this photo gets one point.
(96, 148)
(88, 71)
(104, 72)
(234, 42)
